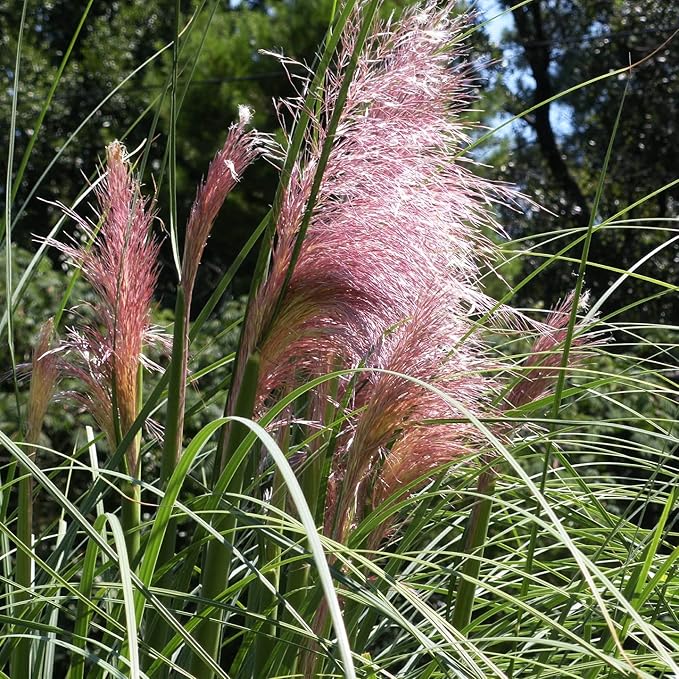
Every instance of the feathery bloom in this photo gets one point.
(387, 276)
(122, 267)
(239, 150)
(420, 450)
(396, 214)
(393, 443)
(541, 368)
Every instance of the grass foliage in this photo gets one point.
(553, 555)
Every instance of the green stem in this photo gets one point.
(361, 620)
(561, 375)
(369, 11)
(176, 391)
(131, 490)
(84, 613)
(21, 658)
(312, 472)
(634, 589)
(172, 447)
(131, 518)
(270, 553)
(217, 564)
(473, 546)
(310, 479)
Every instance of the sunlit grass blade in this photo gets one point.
(561, 376)
(130, 651)
(217, 561)
(297, 496)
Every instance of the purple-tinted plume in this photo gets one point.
(121, 264)
(397, 213)
(239, 150)
(423, 373)
(540, 370)
(388, 274)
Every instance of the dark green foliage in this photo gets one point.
(558, 150)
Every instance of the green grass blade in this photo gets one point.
(48, 100)
(217, 562)
(297, 496)
(84, 613)
(476, 537)
(561, 375)
(131, 642)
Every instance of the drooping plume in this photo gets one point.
(417, 375)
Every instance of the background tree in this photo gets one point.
(557, 152)
(93, 100)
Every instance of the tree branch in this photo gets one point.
(535, 43)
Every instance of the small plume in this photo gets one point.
(541, 369)
(44, 377)
(239, 150)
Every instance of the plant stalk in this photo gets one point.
(21, 658)
(474, 543)
(270, 553)
(218, 556)
(131, 490)
(172, 447)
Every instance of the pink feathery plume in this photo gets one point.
(392, 443)
(397, 212)
(420, 449)
(122, 267)
(87, 357)
(541, 369)
(239, 150)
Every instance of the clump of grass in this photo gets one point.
(380, 426)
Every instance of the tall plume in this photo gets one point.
(387, 276)
(396, 215)
(121, 264)
(387, 279)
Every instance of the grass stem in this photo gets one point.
(21, 658)
(218, 556)
(477, 531)
(172, 447)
